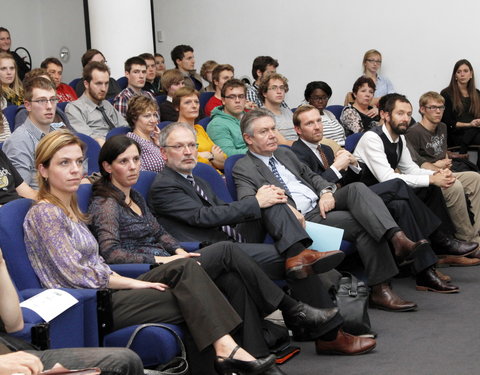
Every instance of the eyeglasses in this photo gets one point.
(435, 108)
(188, 147)
(44, 102)
(373, 61)
(149, 116)
(319, 98)
(275, 88)
(235, 97)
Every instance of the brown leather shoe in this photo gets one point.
(345, 344)
(427, 280)
(383, 297)
(405, 249)
(310, 262)
(455, 261)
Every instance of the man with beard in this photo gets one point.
(91, 114)
(384, 153)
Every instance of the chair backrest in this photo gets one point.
(62, 105)
(93, 150)
(118, 131)
(10, 112)
(163, 124)
(336, 110)
(227, 169)
(204, 98)
(352, 140)
(204, 122)
(210, 174)
(74, 82)
(161, 99)
(13, 246)
(84, 194)
(144, 182)
(122, 82)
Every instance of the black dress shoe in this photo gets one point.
(453, 247)
(383, 297)
(229, 365)
(304, 321)
(428, 280)
(274, 370)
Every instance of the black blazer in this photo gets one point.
(189, 217)
(306, 155)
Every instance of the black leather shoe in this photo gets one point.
(230, 365)
(428, 280)
(305, 320)
(274, 370)
(453, 247)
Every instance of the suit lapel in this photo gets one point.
(187, 185)
(312, 156)
(264, 170)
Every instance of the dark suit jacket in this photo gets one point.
(306, 155)
(189, 217)
(250, 173)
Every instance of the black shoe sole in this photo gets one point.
(456, 255)
(429, 289)
(321, 265)
(380, 307)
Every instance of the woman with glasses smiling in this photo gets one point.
(372, 62)
(142, 116)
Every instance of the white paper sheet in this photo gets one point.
(325, 238)
(50, 303)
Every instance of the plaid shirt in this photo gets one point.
(121, 100)
(254, 97)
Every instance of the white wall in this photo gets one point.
(325, 40)
(43, 27)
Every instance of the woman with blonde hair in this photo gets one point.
(11, 85)
(4, 125)
(372, 62)
(64, 253)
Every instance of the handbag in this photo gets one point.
(177, 366)
(352, 300)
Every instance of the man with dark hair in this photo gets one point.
(5, 45)
(383, 151)
(91, 114)
(152, 81)
(261, 65)
(221, 74)
(184, 60)
(40, 101)
(136, 72)
(54, 68)
(224, 127)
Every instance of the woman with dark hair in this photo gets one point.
(127, 232)
(462, 108)
(317, 93)
(64, 253)
(142, 116)
(358, 116)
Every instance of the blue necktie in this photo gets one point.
(231, 232)
(272, 163)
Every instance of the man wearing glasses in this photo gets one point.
(40, 101)
(427, 142)
(224, 128)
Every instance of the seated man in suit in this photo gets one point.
(354, 208)
(112, 361)
(188, 208)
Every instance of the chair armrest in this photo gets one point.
(132, 270)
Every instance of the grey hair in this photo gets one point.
(167, 130)
(247, 120)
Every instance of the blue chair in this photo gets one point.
(62, 105)
(352, 140)
(210, 174)
(144, 182)
(93, 150)
(204, 98)
(163, 124)
(204, 122)
(118, 131)
(73, 83)
(161, 99)
(336, 110)
(227, 170)
(10, 112)
(122, 82)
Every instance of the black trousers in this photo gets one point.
(433, 198)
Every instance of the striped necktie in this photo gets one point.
(231, 232)
(272, 163)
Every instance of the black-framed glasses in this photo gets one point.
(374, 61)
(44, 102)
(235, 97)
(319, 98)
(188, 146)
(435, 107)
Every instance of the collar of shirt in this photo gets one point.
(313, 147)
(169, 98)
(90, 105)
(384, 129)
(264, 158)
(33, 130)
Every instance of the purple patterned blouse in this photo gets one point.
(63, 253)
(151, 159)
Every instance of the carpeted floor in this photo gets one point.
(441, 338)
